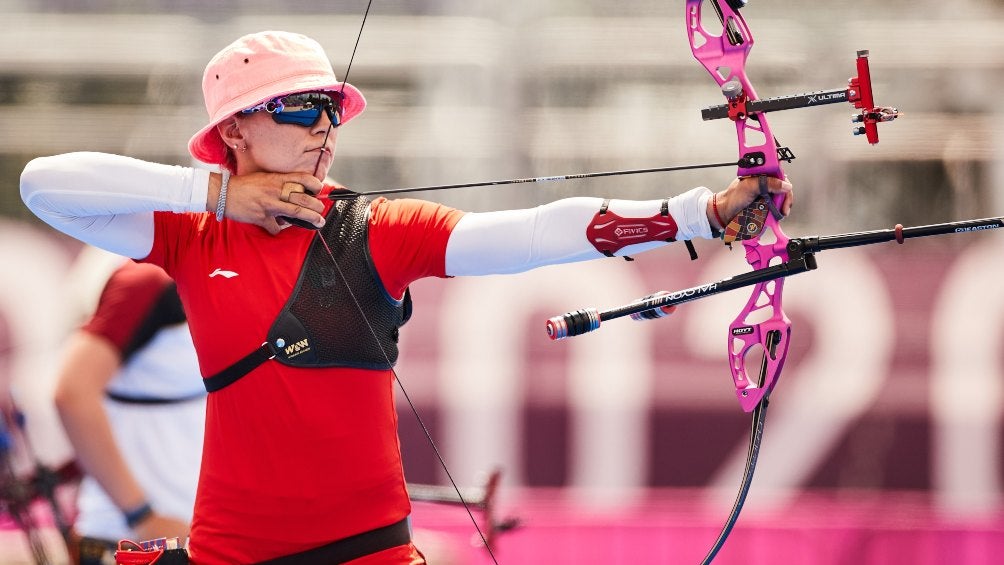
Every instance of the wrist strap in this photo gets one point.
(221, 204)
(138, 514)
(714, 207)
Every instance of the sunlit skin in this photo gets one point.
(281, 148)
(268, 154)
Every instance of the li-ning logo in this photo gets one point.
(745, 330)
(294, 349)
(631, 231)
(222, 273)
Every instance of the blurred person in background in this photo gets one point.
(133, 407)
(297, 332)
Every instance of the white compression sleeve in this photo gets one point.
(108, 200)
(513, 241)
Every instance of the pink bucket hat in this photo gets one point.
(256, 68)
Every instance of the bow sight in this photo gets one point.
(858, 93)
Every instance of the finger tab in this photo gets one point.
(288, 188)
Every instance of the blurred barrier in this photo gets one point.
(673, 527)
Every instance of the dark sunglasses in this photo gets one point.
(302, 109)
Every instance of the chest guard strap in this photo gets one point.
(322, 323)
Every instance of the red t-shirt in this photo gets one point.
(294, 458)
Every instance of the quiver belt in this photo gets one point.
(339, 314)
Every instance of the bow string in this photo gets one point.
(486, 539)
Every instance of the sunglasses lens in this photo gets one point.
(304, 118)
(305, 109)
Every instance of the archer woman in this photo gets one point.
(295, 329)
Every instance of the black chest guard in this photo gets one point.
(323, 323)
